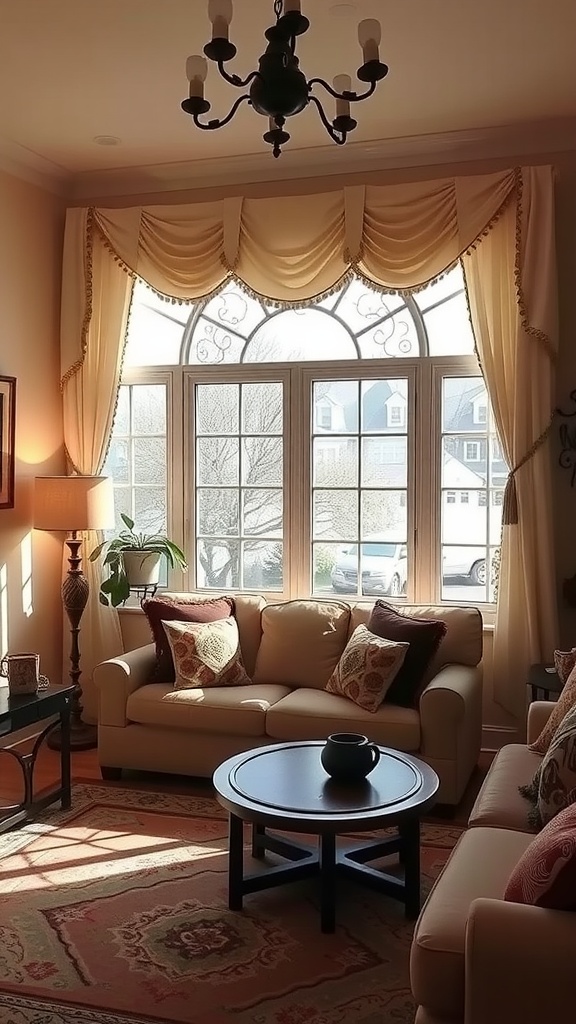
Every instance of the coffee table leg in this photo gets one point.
(258, 845)
(235, 863)
(327, 882)
(410, 835)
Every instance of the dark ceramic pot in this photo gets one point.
(349, 756)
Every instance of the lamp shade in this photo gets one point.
(73, 503)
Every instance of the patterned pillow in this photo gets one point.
(565, 702)
(556, 776)
(206, 654)
(545, 875)
(367, 668)
(564, 662)
(183, 609)
(423, 636)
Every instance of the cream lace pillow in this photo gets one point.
(206, 654)
(367, 668)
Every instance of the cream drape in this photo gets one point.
(95, 302)
(514, 321)
(291, 249)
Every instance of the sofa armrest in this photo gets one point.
(538, 714)
(117, 678)
(519, 964)
(451, 724)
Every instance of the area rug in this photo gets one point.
(115, 912)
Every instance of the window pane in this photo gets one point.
(384, 516)
(299, 335)
(370, 568)
(335, 405)
(150, 460)
(155, 328)
(464, 573)
(335, 514)
(218, 461)
(395, 338)
(149, 409)
(384, 461)
(363, 308)
(384, 405)
(335, 462)
(150, 509)
(245, 474)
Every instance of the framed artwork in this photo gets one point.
(7, 436)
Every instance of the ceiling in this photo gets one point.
(73, 70)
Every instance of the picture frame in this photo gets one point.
(7, 440)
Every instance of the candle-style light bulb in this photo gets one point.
(220, 13)
(369, 36)
(196, 71)
(342, 83)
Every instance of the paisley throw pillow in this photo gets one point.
(367, 668)
(206, 654)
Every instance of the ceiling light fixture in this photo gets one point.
(279, 89)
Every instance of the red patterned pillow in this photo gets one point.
(564, 662)
(181, 609)
(545, 875)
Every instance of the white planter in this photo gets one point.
(142, 568)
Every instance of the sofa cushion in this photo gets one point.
(308, 714)
(206, 654)
(480, 865)
(545, 875)
(423, 637)
(499, 803)
(184, 608)
(301, 642)
(565, 702)
(229, 710)
(367, 668)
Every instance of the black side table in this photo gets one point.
(544, 681)
(18, 713)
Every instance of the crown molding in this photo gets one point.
(513, 142)
(27, 165)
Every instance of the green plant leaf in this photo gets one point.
(127, 521)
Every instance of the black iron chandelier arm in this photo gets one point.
(338, 137)
(240, 83)
(215, 123)
(352, 97)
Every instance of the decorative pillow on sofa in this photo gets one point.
(206, 654)
(545, 875)
(564, 662)
(565, 702)
(367, 668)
(166, 609)
(423, 636)
(555, 778)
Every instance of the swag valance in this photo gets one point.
(290, 249)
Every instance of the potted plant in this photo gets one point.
(133, 560)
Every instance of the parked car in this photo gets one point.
(383, 568)
(463, 561)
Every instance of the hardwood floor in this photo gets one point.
(85, 767)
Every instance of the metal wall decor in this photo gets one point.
(567, 433)
(7, 437)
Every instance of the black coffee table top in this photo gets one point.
(285, 785)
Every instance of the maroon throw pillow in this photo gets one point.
(423, 635)
(169, 609)
(545, 875)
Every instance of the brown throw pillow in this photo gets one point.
(367, 668)
(181, 609)
(424, 637)
(566, 700)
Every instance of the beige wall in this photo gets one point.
(30, 267)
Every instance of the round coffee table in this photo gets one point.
(285, 787)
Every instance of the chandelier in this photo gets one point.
(278, 89)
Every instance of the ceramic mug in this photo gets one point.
(23, 673)
(349, 756)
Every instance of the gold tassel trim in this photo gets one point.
(117, 397)
(527, 327)
(87, 319)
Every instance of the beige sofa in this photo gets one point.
(289, 651)
(477, 959)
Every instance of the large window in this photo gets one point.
(344, 448)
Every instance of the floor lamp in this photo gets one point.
(73, 504)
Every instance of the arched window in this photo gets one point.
(316, 450)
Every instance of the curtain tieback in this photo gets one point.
(510, 503)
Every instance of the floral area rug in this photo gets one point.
(115, 912)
